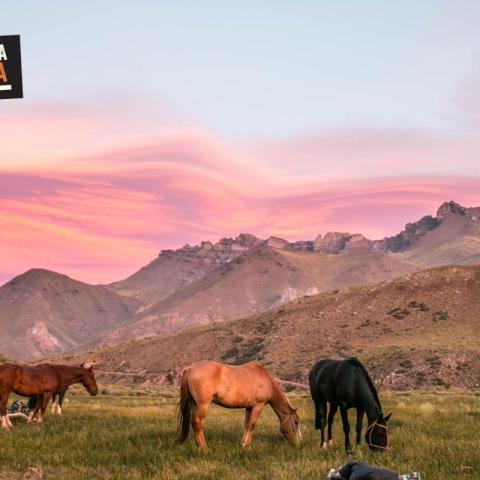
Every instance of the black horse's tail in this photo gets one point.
(185, 408)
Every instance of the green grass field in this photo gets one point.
(133, 437)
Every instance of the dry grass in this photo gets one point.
(131, 437)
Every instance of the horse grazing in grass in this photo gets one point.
(248, 386)
(41, 380)
(58, 396)
(346, 384)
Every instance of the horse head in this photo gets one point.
(376, 435)
(88, 379)
(290, 428)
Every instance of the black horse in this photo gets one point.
(346, 384)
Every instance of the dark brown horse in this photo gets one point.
(58, 396)
(248, 386)
(43, 380)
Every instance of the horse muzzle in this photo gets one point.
(295, 439)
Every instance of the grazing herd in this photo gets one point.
(341, 384)
(41, 382)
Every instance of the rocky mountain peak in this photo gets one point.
(332, 242)
(277, 242)
(448, 208)
(407, 237)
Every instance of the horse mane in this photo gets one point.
(288, 401)
(356, 362)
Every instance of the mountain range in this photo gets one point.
(44, 313)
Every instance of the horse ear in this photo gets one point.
(387, 418)
(88, 364)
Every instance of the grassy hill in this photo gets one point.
(417, 331)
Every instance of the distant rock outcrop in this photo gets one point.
(332, 242)
(407, 237)
(346, 243)
(175, 269)
(276, 242)
(448, 208)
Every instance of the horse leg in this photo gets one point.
(331, 416)
(248, 412)
(346, 429)
(320, 414)
(60, 398)
(198, 422)
(322, 425)
(45, 398)
(360, 414)
(6, 424)
(36, 407)
(252, 420)
(55, 405)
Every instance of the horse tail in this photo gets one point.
(184, 409)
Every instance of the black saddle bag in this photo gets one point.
(363, 471)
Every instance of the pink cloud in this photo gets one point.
(100, 216)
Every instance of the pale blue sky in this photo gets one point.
(253, 70)
(302, 117)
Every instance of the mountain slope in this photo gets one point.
(174, 269)
(455, 239)
(420, 330)
(246, 275)
(230, 279)
(261, 278)
(43, 312)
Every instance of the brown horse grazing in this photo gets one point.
(43, 380)
(58, 396)
(248, 386)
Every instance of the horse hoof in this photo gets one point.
(349, 451)
(324, 445)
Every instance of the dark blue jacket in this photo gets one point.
(362, 471)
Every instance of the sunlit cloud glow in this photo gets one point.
(100, 214)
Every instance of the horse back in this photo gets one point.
(334, 381)
(22, 379)
(230, 385)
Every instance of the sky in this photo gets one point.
(147, 125)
